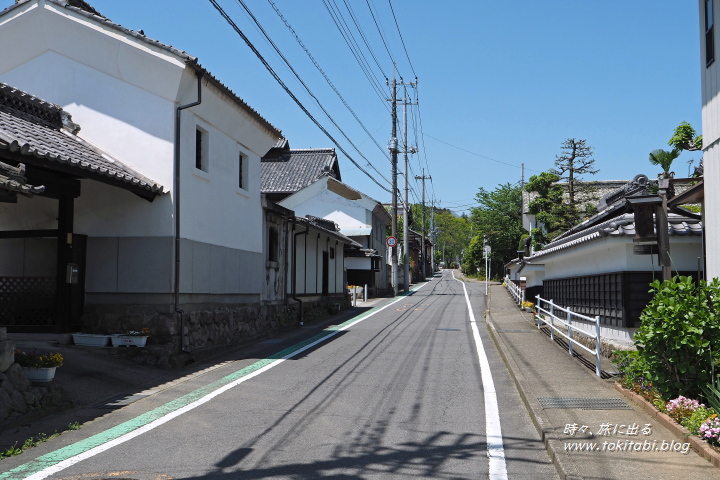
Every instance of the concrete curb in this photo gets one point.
(700, 446)
(566, 468)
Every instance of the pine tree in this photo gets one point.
(575, 160)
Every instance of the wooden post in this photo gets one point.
(661, 226)
(63, 300)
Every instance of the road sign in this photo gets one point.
(391, 242)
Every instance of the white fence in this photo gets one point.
(517, 293)
(549, 313)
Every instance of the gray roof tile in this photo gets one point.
(622, 226)
(43, 132)
(292, 170)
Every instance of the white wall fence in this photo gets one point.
(560, 319)
(517, 293)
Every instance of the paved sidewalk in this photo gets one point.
(548, 378)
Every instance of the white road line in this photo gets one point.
(493, 432)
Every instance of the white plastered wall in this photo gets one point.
(616, 255)
(710, 77)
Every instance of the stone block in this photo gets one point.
(17, 402)
(17, 377)
(7, 354)
(6, 386)
(30, 398)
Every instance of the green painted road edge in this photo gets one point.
(62, 454)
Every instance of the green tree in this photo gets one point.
(498, 220)
(575, 159)
(664, 159)
(552, 214)
(685, 138)
(452, 236)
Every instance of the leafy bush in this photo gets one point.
(698, 417)
(711, 391)
(679, 327)
(633, 367)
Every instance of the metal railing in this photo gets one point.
(547, 313)
(517, 293)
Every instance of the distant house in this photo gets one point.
(309, 183)
(160, 221)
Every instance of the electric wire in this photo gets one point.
(382, 37)
(329, 82)
(401, 38)
(477, 154)
(362, 35)
(294, 72)
(352, 45)
(289, 92)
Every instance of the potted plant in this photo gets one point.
(527, 306)
(38, 367)
(90, 339)
(133, 338)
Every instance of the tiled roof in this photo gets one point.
(323, 225)
(42, 133)
(83, 8)
(13, 179)
(622, 226)
(293, 170)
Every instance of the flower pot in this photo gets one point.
(128, 340)
(40, 374)
(90, 340)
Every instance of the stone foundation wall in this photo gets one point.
(205, 327)
(20, 400)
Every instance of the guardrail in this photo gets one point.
(546, 308)
(517, 293)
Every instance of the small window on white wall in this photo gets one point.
(201, 149)
(709, 33)
(242, 171)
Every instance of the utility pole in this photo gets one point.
(422, 246)
(393, 147)
(433, 237)
(406, 236)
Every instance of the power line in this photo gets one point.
(317, 66)
(347, 36)
(401, 38)
(382, 37)
(284, 59)
(287, 90)
(362, 35)
(477, 154)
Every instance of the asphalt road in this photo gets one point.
(405, 392)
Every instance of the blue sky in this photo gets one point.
(500, 83)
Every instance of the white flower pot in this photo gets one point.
(40, 374)
(128, 341)
(90, 340)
